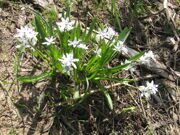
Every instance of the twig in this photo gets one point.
(151, 15)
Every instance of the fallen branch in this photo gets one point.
(157, 67)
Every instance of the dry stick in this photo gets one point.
(158, 67)
(151, 15)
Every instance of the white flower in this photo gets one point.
(83, 46)
(77, 43)
(107, 33)
(131, 67)
(149, 89)
(98, 52)
(26, 32)
(147, 57)
(74, 43)
(26, 37)
(67, 61)
(60, 15)
(65, 24)
(49, 41)
(113, 42)
(120, 47)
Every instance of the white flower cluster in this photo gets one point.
(65, 24)
(49, 41)
(26, 37)
(98, 52)
(68, 64)
(149, 89)
(106, 34)
(131, 67)
(120, 47)
(146, 58)
(77, 43)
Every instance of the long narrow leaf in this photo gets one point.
(107, 96)
(124, 34)
(34, 78)
(113, 79)
(90, 30)
(40, 27)
(137, 56)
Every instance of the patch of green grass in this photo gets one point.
(12, 132)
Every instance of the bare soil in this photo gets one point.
(152, 30)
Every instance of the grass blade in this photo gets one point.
(107, 96)
(34, 78)
(40, 27)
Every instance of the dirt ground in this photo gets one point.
(156, 30)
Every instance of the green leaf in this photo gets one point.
(91, 29)
(108, 98)
(115, 69)
(107, 55)
(55, 52)
(92, 62)
(17, 61)
(92, 76)
(34, 78)
(121, 67)
(129, 109)
(137, 56)
(124, 34)
(53, 14)
(116, 13)
(76, 32)
(40, 27)
(113, 79)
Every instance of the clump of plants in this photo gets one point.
(67, 49)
